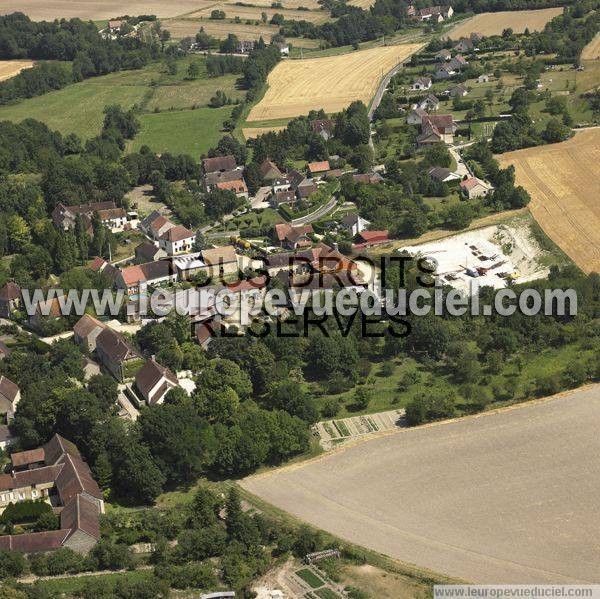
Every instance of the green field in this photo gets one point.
(78, 108)
(310, 578)
(185, 131)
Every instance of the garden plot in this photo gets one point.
(492, 256)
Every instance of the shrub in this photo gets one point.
(25, 511)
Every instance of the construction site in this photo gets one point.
(494, 256)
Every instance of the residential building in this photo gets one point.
(153, 381)
(221, 261)
(444, 175)
(10, 299)
(473, 187)
(415, 116)
(429, 102)
(86, 331)
(306, 188)
(458, 91)
(57, 474)
(10, 395)
(293, 237)
(269, 171)
(458, 63)
(6, 438)
(284, 49)
(212, 180)
(45, 311)
(443, 55)
(354, 224)
(318, 169)
(437, 129)
(370, 238)
(323, 127)
(464, 45)
(178, 240)
(5, 351)
(116, 354)
(281, 184)
(115, 25)
(435, 13)
(282, 197)
(370, 178)
(238, 186)
(188, 265)
(111, 217)
(148, 252)
(443, 71)
(136, 279)
(219, 164)
(90, 368)
(422, 83)
(245, 46)
(483, 78)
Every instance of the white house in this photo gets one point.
(354, 224)
(474, 187)
(177, 240)
(154, 381)
(415, 117)
(483, 78)
(422, 83)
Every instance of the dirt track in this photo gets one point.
(505, 497)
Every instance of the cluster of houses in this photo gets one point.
(246, 46)
(436, 14)
(112, 217)
(57, 474)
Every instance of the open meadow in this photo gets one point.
(95, 10)
(78, 108)
(254, 13)
(10, 68)
(592, 50)
(564, 183)
(180, 28)
(507, 496)
(297, 86)
(494, 23)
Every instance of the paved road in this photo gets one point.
(317, 214)
(504, 497)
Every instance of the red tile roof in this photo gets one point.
(177, 233)
(318, 167)
(10, 291)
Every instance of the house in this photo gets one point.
(56, 474)
(6, 438)
(306, 188)
(221, 261)
(458, 91)
(293, 237)
(115, 25)
(354, 224)
(318, 169)
(86, 331)
(334, 173)
(483, 78)
(323, 127)
(473, 187)
(155, 224)
(212, 180)
(90, 368)
(282, 197)
(10, 395)
(178, 239)
(422, 83)
(443, 71)
(154, 381)
(219, 164)
(10, 299)
(438, 128)
(457, 63)
(370, 238)
(45, 311)
(112, 217)
(136, 279)
(429, 102)
(269, 171)
(188, 265)
(444, 175)
(281, 184)
(116, 354)
(238, 186)
(435, 13)
(284, 49)
(416, 116)
(245, 46)
(148, 252)
(370, 178)
(295, 178)
(443, 55)
(464, 45)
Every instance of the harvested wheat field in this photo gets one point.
(564, 183)
(96, 10)
(503, 497)
(254, 13)
(10, 68)
(494, 23)
(592, 50)
(312, 4)
(253, 132)
(331, 83)
(364, 4)
(181, 28)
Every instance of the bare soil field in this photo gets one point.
(96, 10)
(253, 132)
(503, 497)
(493, 23)
(181, 28)
(10, 68)
(592, 50)
(564, 183)
(331, 83)
(254, 13)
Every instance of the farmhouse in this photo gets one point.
(115, 353)
(435, 13)
(178, 240)
(136, 279)
(219, 164)
(422, 83)
(57, 474)
(154, 381)
(114, 218)
(282, 197)
(458, 63)
(437, 129)
(10, 299)
(148, 252)
(483, 78)
(245, 46)
(323, 127)
(443, 54)
(318, 169)
(415, 117)
(429, 102)
(86, 331)
(293, 237)
(458, 91)
(269, 171)
(464, 45)
(10, 395)
(474, 187)
(443, 71)
(444, 175)
(238, 186)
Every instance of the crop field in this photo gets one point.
(504, 497)
(364, 4)
(10, 68)
(185, 131)
(181, 28)
(564, 183)
(253, 132)
(592, 50)
(297, 86)
(254, 13)
(493, 23)
(96, 10)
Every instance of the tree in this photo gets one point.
(433, 405)
(555, 132)
(12, 564)
(459, 216)
(193, 70)
(362, 397)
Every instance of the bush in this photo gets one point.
(12, 564)
(25, 511)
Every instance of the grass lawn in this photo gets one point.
(185, 131)
(310, 578)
